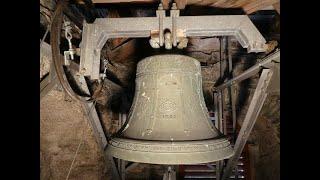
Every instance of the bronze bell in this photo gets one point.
(168, 121)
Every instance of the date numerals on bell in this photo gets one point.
(168, 116)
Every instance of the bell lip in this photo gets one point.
(156, 156)
(221, 138)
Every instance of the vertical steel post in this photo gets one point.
(93, 117)
(217, 124)
(223, 69)
(254, 109)
(231, 89)
(231, 94)
(121, 162)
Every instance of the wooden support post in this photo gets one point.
(255, 106)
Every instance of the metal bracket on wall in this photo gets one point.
(95, 35)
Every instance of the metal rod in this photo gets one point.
(216, 122)
(231, 94)
(123, 169)
(231, 90)
(223, 69)
(121, 162)
(115, 171)
(220, 111)
(219, 125)
(216, 110)
(254, 109)
(265, 63)
(50, 81)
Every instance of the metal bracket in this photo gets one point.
(95, 35)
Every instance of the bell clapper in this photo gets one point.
(170, 173)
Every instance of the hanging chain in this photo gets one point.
(104, 75)
(68, 55)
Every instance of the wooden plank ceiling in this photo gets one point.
(249, 6)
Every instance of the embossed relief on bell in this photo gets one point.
(167, 106)
(169, 115)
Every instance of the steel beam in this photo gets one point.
(217, 125)
(254, 109)
(265, 63)
(223, 69)
(46, 85)
(216, 110)
(98, 132)
(95, 35)
(231, 94)
(93, 117)
(115, 171)
(50, 81)
(121, 162)
(231, 89)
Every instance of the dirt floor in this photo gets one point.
(62, 127)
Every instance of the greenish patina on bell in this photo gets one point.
(168, 121)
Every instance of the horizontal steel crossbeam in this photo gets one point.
(96, 34)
